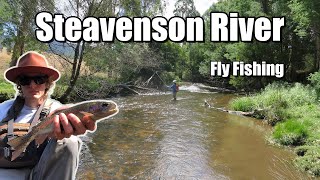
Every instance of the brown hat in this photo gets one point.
(31, 62)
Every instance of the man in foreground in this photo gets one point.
(53, 156)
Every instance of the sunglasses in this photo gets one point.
(26, 80)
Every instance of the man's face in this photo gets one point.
(33, 85)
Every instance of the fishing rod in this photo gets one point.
(147, 82)
(160, 78)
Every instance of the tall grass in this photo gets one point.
(290, 132)
(243, 104)
(275, 100)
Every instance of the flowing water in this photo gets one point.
(155, 138)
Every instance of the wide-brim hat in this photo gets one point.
(31, 62)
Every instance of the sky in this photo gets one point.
(201, 6)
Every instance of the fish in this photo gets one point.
(96, 110)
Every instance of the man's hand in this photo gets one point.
(65, 125)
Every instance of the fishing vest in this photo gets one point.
(10, 130)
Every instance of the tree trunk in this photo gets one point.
(318, 52)
(18, 48)
(78, 57)
(28, 9)
(265, 5)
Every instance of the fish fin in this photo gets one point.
(41, 138)
(86, 113)
(20, 144)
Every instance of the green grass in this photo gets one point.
(6, 87)
(294, 112)
(243, 104)
(275, 100)
(6, 90)
(290, 132)
(308, 159)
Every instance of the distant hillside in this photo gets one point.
(54, 60)
(62, 49)
(5, 60)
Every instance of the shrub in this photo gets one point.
(308, 159)
(243, 104)
(272, 96)
(300, 95)
(314, 78)
(237, 82)
(6, 90)
(290, 132)
(276, 100)
(298, 112)
(169, 76)
(275, 115)
(6, 87)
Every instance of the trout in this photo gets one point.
(96, 110)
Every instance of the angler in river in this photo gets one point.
(174, 88)
(54, 152)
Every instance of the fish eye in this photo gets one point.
(105, 105)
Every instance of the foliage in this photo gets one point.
(290, 132)
(6, 87)
(306, 13)
(6, 90)
(237, 82)
(185, 8)
(169, 76)
(275, 99)
(123, 62)
(245, 104)
(294, 110)
(308, 159)
(292, 51)
(314, 78)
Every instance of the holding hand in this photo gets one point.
(65, 125)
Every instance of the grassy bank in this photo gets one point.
(294, 111)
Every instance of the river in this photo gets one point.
(153, 137)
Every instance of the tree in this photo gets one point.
(17, 23)
(307, 14)
(103, 8)
(185, 8)
(6, 32)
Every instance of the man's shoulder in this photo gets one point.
(4, 107)
(6, 104)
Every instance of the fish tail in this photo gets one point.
(20, 144)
